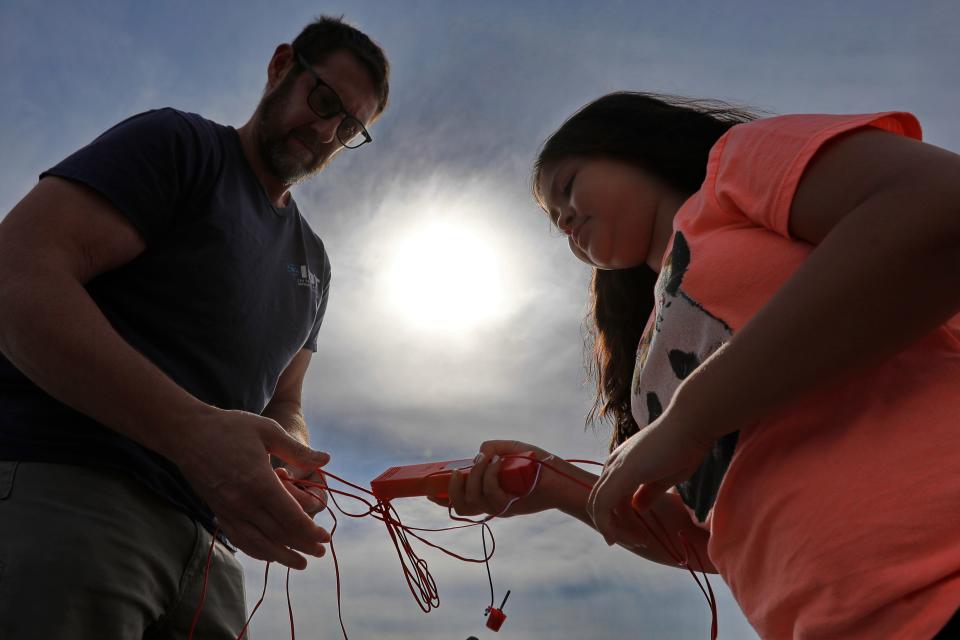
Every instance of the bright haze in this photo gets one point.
(455, 313)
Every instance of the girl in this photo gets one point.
(791, 401)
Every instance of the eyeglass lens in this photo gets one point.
(326, 104)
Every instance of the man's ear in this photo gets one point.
(280, 64)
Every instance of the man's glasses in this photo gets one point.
(325, 102)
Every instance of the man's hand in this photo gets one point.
(226, 457)
(312, 499)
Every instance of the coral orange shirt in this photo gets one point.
(839, 518)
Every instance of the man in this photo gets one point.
(160, 296)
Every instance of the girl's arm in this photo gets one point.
(478, 492)
(884, 212)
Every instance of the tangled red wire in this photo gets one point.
(420, 582)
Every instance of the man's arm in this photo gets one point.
(286, 408)
(59, 237)
(286, 405)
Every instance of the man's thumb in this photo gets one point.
(293, 452)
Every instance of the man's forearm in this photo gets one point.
(289, 415)
(53, 332)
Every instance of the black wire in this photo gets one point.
(483, 537)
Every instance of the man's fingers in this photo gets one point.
(275, 511)
(293, 452)
(440, 501)
(312, 499)
(273, 496)
(311, 503)
(321, 496)
(247, 537)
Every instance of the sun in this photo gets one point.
(445, 276)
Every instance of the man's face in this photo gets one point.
(293, 142)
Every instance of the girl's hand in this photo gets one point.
(662, 454)
(478, 490)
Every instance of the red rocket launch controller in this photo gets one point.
(517, 475)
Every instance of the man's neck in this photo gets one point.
(276, 190)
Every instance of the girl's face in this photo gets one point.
(615, 214)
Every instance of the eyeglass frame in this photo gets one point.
(363, 130)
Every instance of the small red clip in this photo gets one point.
(495, 616)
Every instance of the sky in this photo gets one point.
(408, 368)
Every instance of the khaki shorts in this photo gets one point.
(90, 553)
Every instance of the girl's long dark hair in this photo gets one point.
(670, 138)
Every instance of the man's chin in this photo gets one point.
(289, 171)
(300, 174)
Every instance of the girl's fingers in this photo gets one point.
(495, 447)
(455, 491)
(647, 495)
(474, 484)
(600, 507)
(632, 530)
(496, 498)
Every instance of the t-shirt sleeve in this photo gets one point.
(311, 343)
(148, 166)
(754, 169)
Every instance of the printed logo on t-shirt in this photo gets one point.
(682, 335)
(305, 277)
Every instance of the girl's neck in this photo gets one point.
(670, 204)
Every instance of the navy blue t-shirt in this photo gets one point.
(228, 290)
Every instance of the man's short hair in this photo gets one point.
(325, 35)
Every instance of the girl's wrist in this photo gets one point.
(562, 493)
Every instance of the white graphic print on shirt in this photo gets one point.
(682, 335)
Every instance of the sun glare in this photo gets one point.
(443, 276)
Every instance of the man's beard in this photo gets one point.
(272, 140)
